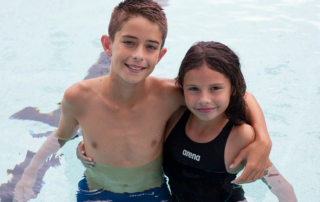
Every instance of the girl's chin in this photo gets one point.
(205, 117)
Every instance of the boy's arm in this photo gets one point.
(257, 153)
(67, 130)
(278, 185)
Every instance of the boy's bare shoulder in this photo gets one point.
(79, 92)
(166, 88)
(74, 92)
(163, 82)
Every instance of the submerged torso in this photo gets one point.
(197, 171)
(125, 179)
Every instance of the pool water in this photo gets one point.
(46, 46)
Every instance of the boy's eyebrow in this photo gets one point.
(133, 37)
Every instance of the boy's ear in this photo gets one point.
(106, 44)
(162, 53)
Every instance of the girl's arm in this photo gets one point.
(257, 153)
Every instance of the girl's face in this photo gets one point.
(207, 92)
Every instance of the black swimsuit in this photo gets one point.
(197, 171)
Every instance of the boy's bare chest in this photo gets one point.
(137, 117)
(135, 132)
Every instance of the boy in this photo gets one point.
(123, 115)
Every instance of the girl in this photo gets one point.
(204, 137)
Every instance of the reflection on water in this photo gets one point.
(101, 68)
(6, 189)
(278, 44)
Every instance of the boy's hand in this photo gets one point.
(23, 190)
(81, 154)
(257, 155)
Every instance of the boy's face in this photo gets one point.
(135, 50)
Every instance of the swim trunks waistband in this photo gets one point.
(158, 194)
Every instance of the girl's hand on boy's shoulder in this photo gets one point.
(81, 154)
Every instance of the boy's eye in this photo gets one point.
(128, 43)
(151, 47)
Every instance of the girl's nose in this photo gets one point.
(204, 99)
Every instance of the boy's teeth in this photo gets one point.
(134, 68)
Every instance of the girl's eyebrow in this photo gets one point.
(214, 84)
(190, 84)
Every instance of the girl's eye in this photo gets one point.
(193, 89)
(215, 88)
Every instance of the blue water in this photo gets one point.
(46, 46)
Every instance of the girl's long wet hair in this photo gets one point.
(220, 58)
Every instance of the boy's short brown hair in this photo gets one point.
(146, 8)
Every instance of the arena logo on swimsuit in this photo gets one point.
(191, 155)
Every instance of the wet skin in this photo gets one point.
(123, 115)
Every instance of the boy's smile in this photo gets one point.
(135, 68)
(135, 50)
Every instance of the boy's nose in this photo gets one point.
(138, 54)
(137, 58)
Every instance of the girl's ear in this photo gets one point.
(233, 92)
(107, 45)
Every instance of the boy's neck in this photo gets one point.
(120, 91)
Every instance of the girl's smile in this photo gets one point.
(205, 110)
